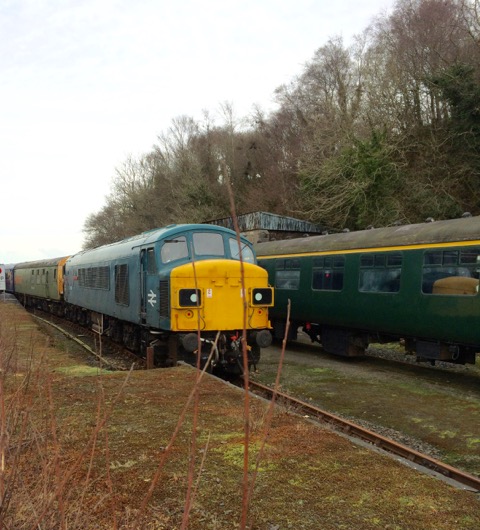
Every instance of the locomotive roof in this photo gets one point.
(455, 230)
(125, 246)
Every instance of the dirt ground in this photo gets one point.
(91, 449)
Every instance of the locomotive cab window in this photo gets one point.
(287, 274)
(380, 273)
(208, 244)
(247, 253)
(173, 249)
(451, 272)
(327, 273)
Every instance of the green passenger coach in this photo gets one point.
(40, 283)
(418, 283)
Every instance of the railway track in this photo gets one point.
(108, 354)
(351, 429)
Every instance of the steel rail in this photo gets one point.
(378, 440)
(102, 359)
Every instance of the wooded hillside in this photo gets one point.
(386, 130)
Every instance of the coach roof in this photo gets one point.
(455, 230)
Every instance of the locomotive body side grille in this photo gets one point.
(164, 299)
(122, 295)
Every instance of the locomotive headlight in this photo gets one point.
(190, 298)
(262, 296)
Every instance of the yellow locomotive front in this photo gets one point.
(212, 303)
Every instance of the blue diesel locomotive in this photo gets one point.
(182, 289)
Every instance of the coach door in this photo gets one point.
(149, 283)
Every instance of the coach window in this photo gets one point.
(471, 258)
(328, 272)
(287, 274)
(173, 249)
(208, 244)
(451, 272)
(380, 273)
(247, 254)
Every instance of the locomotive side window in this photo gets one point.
(380, 273)
(247, 254)
(451, 272)
(174, 249)
(328, 272)
(287, 274)
(151, 262)
(208, 244)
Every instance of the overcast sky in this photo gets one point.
(85, 83)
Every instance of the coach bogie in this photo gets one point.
(343, 342)
(439, 351)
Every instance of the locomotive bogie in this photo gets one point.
(417, 283)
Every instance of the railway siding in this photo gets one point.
(310, 477)
(436, 411)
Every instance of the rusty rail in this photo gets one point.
(352, 429)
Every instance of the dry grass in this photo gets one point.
(82, 448)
